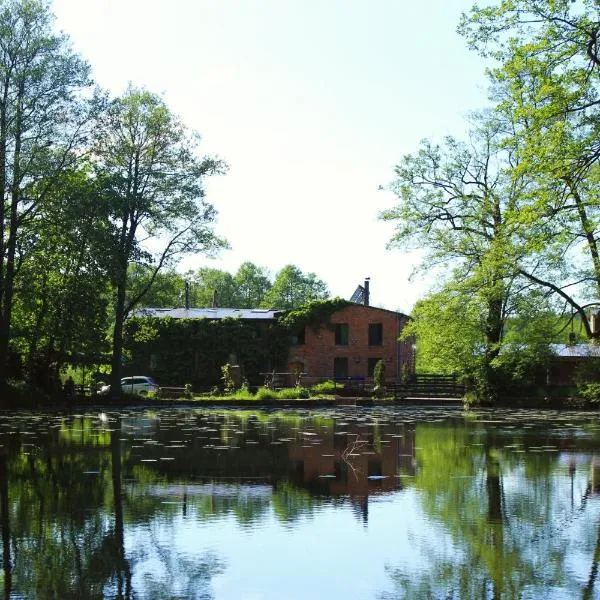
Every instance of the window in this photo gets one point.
(341, 334)
(340, 368)
(371, 366)
(375, 334)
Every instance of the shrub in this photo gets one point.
(325, 387)
(265, 394)
(379, 377)
(590, 392)
(227, 378)
(469, 399)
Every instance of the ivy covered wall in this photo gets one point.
(180, 351)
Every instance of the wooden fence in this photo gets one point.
(428, 386)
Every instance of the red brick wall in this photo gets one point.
(319, 350)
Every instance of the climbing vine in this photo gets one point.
(314, 314)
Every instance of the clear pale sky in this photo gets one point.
(311, 102)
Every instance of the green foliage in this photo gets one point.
(194, 350)
(292, 288)
(446, 326)
(590, 392)
(379, 378)
(162, 196)
(324, 387)
(265, 394)
(43, 117)
(546, 85)
(314, 314)
(207, 282)
(252, 283)
(587, 380)
(163, 289)
(227, 378)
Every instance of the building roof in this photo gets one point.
(259, 314)
(576, 350)
(262, 314)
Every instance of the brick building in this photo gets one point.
(358, 337)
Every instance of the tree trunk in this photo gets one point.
(117, 343)
(11, 245)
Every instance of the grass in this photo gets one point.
(261, 394)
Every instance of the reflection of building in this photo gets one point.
(355, 463)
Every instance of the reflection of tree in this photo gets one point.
(497, 550)
(4, 516)
(121, 566)
(290, 502)
(588, 591)
(69, 517)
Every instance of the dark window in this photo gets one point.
(375, 334)
(341, 334)
(300, 338)
(371, 366)
(340, 367)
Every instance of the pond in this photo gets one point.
(344, 503)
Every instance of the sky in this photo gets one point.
(310, 102)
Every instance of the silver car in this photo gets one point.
(141, 385)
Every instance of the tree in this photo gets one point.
(456, 202)
(167, 290)
(292, 288)
(60, 306)
(252, 283)
(42, 128)
(547, 82)
(146, 162)
(209, 285)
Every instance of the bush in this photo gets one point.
(590, 392)
(469, 399)
(265, 394)
(325, 387)
(379, 377)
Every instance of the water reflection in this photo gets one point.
(218, 504)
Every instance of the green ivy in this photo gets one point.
(194, 350)
(314, 314)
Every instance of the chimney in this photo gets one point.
(366, 292)
(187, 295)
(215, 302)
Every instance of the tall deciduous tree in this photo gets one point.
(547, 82)
(292, 288)
(63, 289)
(41, 131)
(213, 287)
(150, 171)
(457, 201)
(166, 291)
(252, 283)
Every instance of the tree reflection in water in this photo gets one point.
(500, 506)
(64, 535)
(123, 506)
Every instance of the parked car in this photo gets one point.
(141, 385)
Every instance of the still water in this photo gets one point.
(346, 503)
